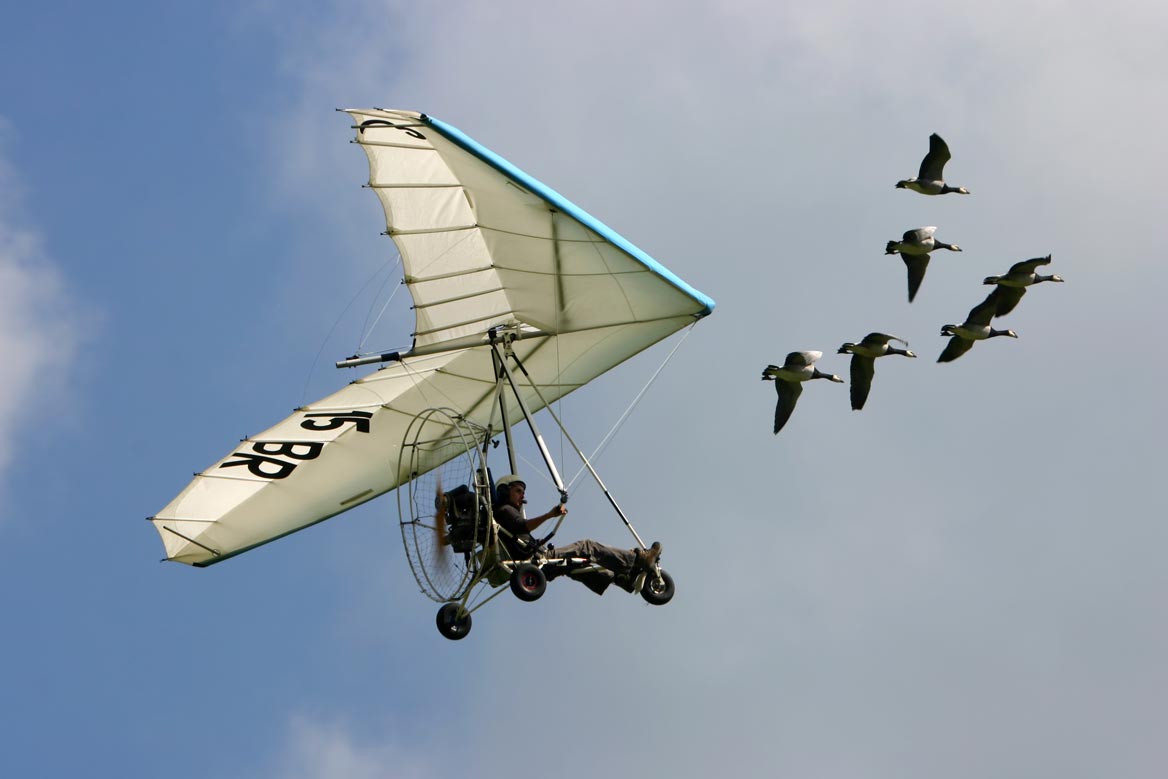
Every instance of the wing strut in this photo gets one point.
(543, 449)
(500, 376)
(501, 364)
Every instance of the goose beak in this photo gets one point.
(910, 354)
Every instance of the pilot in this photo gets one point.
(620, 565)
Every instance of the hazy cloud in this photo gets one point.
(38, 330)
(325, 750)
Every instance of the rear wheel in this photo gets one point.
(453, 621)
(528, 582)
(657, 590)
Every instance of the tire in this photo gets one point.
(451, 624)
(528, 582)
(658, 592)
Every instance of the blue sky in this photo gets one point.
(965, 579)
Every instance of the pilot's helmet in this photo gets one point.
(503, 484)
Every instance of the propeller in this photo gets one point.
(440, 519)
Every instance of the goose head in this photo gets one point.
(846, 348)
(903, 184)
(958, 190)
(1048, 278)
(948, 330)
(992, 279)
(996, 333)
(950, 246)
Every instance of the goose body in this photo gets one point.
(789, 377)
(863, 366)
(930, 180)
(976, 327)
(1010, 288)
(914, 248)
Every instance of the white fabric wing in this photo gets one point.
(482, 245)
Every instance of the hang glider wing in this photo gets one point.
(483, 246)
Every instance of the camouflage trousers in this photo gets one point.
(618, 564)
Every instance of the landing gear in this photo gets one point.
(658, 588)
(453, 621)
(528, 582)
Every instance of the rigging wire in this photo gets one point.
(368, 328)
(621, 420)
(539, 470)
(324, 342)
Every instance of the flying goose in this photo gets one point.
(930, 181)
(914, 247)
(1011, 287)
(975, 328)
(863, 366)
(788, 378)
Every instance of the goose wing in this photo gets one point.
(881, 339)
(957, 346)
(983, 312)
(1005, 299)
(801, 359)
(917, 264)
(933, 165)
(919, 235)
(1028, 266)
(789, 392)
(862, 369)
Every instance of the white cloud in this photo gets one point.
(38, 330)
(324, 750)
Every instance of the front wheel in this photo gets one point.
(528, 582)
(657, 590)
(453, 621)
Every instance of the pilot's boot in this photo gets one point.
(646, 558)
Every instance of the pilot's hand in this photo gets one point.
(559, 510)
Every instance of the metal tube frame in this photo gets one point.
(503, 370)
(580, 453)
